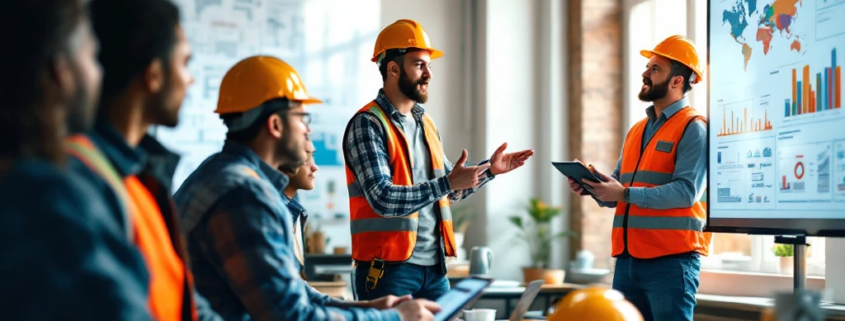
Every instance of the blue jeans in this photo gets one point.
(661, 288)
(424, 282)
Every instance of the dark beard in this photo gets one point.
(289, 153)
(161, 113)
(80, 109)
(409, 88)
(654, 92)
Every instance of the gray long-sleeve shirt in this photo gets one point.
(688, 181)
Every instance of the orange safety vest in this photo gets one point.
(392, 239)
(170, 296)
(654, 233)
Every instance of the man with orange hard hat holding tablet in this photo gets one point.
(656, 188)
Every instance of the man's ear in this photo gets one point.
(275, 126)
(61, 76)
(154, 76)
(678, 81)
(393, 68)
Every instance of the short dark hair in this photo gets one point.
(679, 69)
(132, 34)
(35, 33)
(397, 56)
(271, 107)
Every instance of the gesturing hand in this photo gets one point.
(463, 177)
(501, 163)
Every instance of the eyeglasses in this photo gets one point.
(306, 117)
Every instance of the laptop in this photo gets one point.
(526, 300)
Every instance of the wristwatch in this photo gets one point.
(627, 196)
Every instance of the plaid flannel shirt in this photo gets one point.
(240, 237)
(366, 154)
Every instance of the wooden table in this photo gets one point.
(333, 289)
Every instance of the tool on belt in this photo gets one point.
(376, 272)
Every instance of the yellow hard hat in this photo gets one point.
(403, 34)
(680, 49)
(255, 80)
(595, 304)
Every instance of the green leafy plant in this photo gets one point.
(536, 231)
(783, 250)
(462, 217)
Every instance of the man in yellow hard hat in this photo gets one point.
(656, 189)
(239, 231)
(400, 183)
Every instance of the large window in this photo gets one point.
(649, 22)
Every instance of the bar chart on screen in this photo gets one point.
(815, 91)
(744, 117)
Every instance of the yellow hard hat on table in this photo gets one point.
(403, 34)
(680, 49)
(595, 304)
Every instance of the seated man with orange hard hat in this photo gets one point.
(400, 183)
(656, 189)
(239, 231)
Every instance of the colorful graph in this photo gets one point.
(825, 95)
(741, 122)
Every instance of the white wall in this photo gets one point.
(510, 113)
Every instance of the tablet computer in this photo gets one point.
(462, 294)
(578, 172)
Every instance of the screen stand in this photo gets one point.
(799, 244)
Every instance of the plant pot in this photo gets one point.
(786, 264)
(548, 276)
(318, 242)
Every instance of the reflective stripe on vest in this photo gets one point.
(81, 147)
(169, 277)
(393, 239)
(651, 232)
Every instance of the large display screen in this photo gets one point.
(776, 116)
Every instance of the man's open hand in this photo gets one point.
(501, 162)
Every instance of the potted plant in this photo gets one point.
(784, 252)
(537, 233)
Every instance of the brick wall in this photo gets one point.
(595, 111)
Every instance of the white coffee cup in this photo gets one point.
(480, 315)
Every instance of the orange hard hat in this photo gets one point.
(403, 34)
(255, 80)
(680, 49)
(594, 304)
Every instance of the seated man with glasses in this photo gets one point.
(239, 232)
